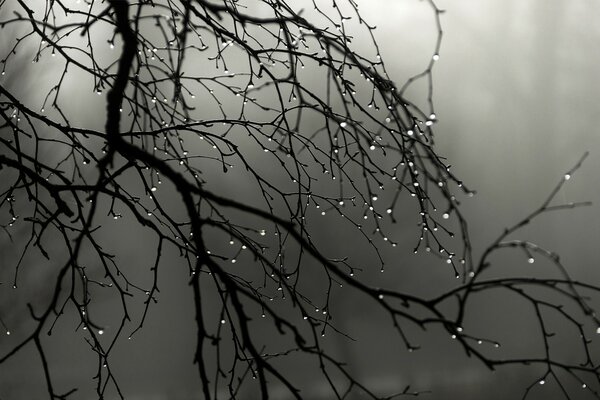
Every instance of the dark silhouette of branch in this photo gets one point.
(201, 93)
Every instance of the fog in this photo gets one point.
(517, 97)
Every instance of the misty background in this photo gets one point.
(517, 98)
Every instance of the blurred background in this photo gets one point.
(517, 98)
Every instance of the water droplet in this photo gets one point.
(435, 57)
(100, 332)
(531, 260)
(542, 382)
(567, 177)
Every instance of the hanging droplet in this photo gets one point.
(531, 260)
